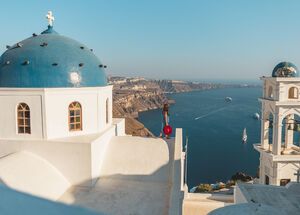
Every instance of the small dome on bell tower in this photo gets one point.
(285, 69)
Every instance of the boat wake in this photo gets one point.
(212, 112)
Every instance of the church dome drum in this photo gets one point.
(285, 69)
(50, 60)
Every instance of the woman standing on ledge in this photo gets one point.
(165, 119)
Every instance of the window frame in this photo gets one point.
(72, 118)
(293, 93)
(23, 121)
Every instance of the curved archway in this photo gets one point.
(23, 119)
(270, 129)
(290, 132)
(270, 92)
(293, 93)
(75, 116)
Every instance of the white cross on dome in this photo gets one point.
(50, 18)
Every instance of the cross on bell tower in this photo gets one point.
(50, 18)
(279, 148)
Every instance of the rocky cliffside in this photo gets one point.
(129, 103)
(133, 95)
(171, 86)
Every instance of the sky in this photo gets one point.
(169, 39)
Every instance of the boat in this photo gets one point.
(228, 99)
(244, 137)
(256, 116)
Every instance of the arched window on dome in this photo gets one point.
(75, 116)
(293, 93)
(23, 115)
(270, 92)
(107, 110)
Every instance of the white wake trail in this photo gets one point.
(215, 111)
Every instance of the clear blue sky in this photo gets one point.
(201, 39)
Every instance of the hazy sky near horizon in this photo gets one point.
(174, 39)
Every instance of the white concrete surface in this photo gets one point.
(202, 203)
(247, 209)
(16, 203)
(29, 173)
(284, 199)
(136, 157)
(136, 178)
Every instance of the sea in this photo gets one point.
(214, 130)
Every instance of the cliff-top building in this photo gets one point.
(279, 148)
(58, 139)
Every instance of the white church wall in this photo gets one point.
(238, 195)
(9, 100)
(49, 111)
(93, 106)
(98, 150)
(120, 126)
(287, 171)
(103, 95)
(267, 169)
(276, 170)
(284, 92)
(57, 112)
(270, 90)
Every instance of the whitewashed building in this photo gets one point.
(279, 148)
(58, 139)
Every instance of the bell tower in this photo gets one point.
(280, 126)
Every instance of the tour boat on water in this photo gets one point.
(244, 137)
(256, 116)
(228, 99)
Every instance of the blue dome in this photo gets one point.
(50, 60)
(285, 69)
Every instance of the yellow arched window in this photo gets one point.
(293, 93)
(75, 117)
(107, 111)
(23, 119)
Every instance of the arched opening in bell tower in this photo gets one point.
(293, 93)
(270, 92)
(270, 130)
(290, 134)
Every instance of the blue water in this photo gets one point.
(214, 128)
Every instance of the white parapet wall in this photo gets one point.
(238, 195)
(17, 171)
(177, 174)
(78, 158)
